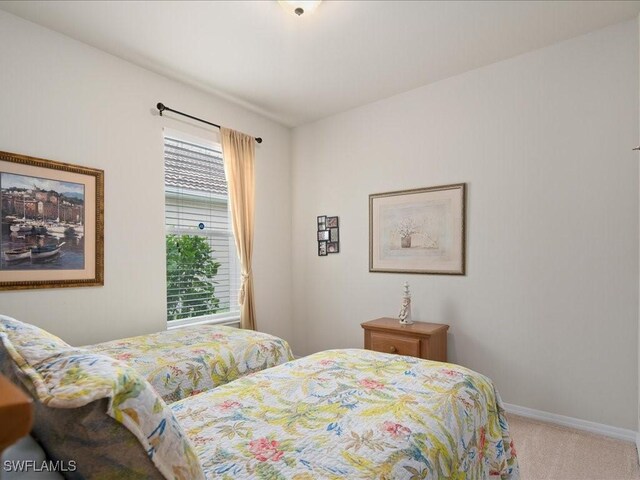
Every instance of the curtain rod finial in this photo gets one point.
(160, 108)
(259, 139)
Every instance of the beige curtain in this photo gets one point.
(238, 151)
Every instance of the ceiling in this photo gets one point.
(348, 53)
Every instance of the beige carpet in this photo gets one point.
(547, 451)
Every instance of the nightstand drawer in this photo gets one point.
(418, 339)
(384, 342)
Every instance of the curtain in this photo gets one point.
(238, 152)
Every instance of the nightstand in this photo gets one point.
(16, 413)
(420, 339)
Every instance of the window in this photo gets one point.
(203, 273)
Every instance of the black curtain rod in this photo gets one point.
(162, 107)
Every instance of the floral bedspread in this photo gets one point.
(352, 414)
(186, 361)
(66, 378)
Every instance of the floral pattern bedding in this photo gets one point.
(352, 414)
(65, 379)
(187, 361)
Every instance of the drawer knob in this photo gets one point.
(393, 349)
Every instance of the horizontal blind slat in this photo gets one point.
(196, 191)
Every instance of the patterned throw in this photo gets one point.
(64, 378)
(187, 361)
(352, 414)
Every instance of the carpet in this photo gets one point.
(547, 451)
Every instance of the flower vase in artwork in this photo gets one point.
(405, 242)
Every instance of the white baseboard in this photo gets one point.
(593, 427)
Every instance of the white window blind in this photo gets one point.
(203, 275)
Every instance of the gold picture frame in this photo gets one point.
(52, 217)
(418, 231)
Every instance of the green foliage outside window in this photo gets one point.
(191, 270)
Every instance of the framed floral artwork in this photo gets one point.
(418, 231)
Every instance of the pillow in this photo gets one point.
(33, 342)
(74, 388)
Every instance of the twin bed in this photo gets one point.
(187, 361)
(337, 414)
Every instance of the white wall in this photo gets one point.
(549, 306)
(63, 100)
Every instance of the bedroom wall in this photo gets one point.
(549, 305)
(63, 100)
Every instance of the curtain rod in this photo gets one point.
(162, 107)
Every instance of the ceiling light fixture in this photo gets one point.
(298, 7)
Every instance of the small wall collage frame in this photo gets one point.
(328, 235)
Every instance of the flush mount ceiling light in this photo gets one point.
(299, 7)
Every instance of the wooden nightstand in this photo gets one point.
(420, 339)
(16, 413)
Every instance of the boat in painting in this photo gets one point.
(39, 229)
(17, 254)
(46, 251)
(57, 227)
(20, 224)
(20, 227)
(29, 228)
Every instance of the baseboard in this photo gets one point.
(638, 444)
(593, 427)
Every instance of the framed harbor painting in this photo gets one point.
(52, 216)
(418, 231)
